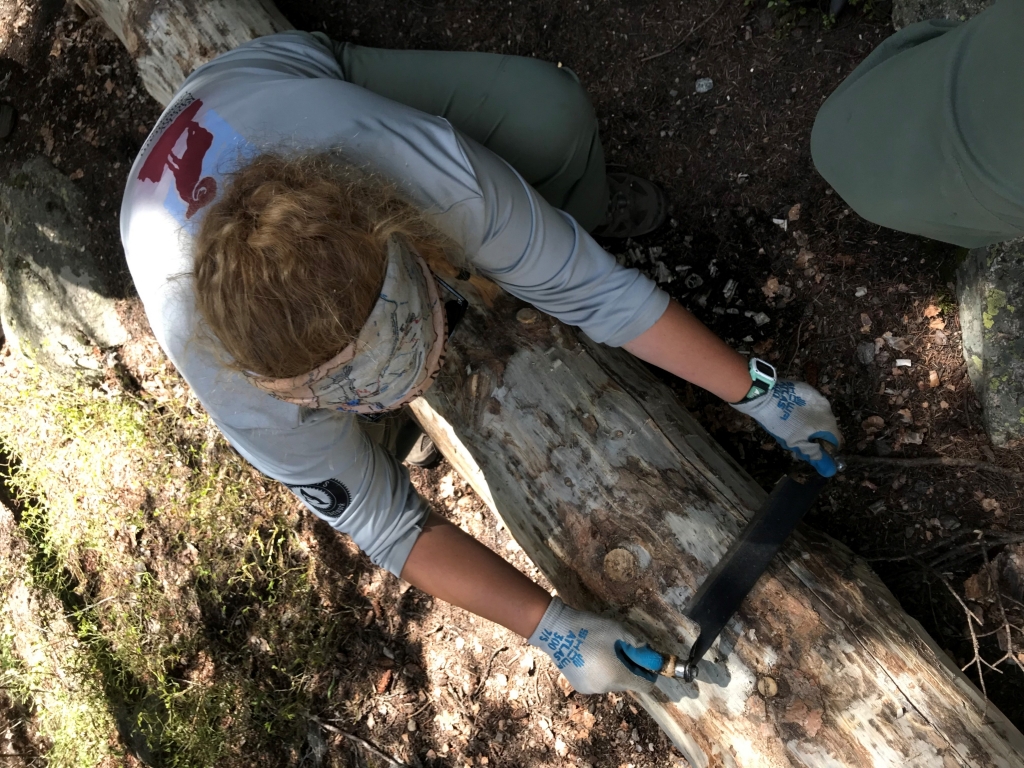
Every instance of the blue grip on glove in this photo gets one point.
(641, 661)
(796, 415)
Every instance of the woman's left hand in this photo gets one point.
(596, 654)
(797, 416)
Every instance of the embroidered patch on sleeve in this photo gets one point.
(329, 498)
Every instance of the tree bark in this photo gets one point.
(625, 503)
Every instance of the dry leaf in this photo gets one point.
(979, 586)
(77, 175)
(937, 324)
(932, 311)
(993, 506)
(904, 413)
(803, 257)
(771, 287)
(382, 683)
(896, 342)
(873, 424)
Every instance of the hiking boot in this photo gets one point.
(414, 448)
(635, 207)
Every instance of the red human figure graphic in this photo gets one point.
(187, 168)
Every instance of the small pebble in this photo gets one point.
(862, 291)
(704, 84)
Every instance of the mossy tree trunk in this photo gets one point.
(583, 452)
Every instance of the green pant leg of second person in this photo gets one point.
(530, 112)
(927, 134)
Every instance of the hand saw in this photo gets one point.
(720, 594)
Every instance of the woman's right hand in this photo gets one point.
(799, 418)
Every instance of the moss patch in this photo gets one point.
(994, 301)
(194, 629)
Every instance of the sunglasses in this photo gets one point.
(455, 305)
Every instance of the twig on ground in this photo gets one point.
(996, 537)
(1007, 626)
(685, 37)
(935, 461)
(361, 742)
(945, 558)
(796, 349)
(487, 672)
(977, 661)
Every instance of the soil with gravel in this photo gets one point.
(758, 247)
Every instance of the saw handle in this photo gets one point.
(832, 451)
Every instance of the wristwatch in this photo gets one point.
(763, 376)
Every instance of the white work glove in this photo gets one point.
(591, 651)
(796, 415)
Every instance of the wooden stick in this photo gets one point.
(361, 742)
(936, 461)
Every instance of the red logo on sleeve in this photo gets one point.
(187, 168)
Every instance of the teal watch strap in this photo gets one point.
(763, 376)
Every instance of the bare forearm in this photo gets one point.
(682, 345)
(452, 566)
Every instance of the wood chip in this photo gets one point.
(933, 379)
(564, 685)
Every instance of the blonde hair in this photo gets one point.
(289, 261)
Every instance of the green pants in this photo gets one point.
(534, 115)
(927, 134)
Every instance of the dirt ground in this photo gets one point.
(758, 247)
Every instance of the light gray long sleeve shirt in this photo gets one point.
(287, 92)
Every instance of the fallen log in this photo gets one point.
(625, 503)
(168, 40)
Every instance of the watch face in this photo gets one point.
(765, 369)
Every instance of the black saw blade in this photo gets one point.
(722, 591)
